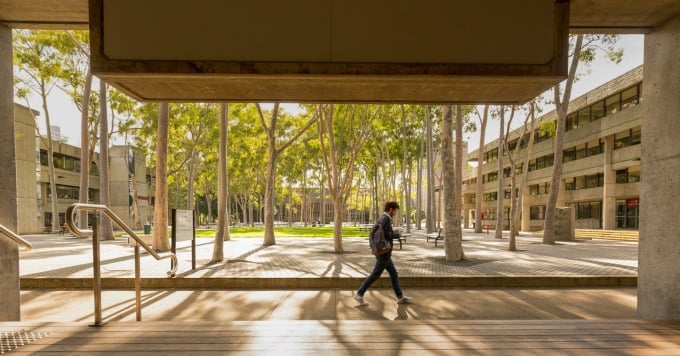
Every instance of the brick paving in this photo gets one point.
(66, 256)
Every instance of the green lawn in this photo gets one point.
(285, 231)
(280, 231)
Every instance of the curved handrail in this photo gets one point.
(16, 238)
(71, 225)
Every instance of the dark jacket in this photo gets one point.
(386, 221)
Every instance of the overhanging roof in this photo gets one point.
(612, 16)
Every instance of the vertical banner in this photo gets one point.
(184, 229)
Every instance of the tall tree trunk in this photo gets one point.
(83, 194)
(269, 238)
(160, 213)
(429, 217)
(409, 172)
(407, 199)
(50, 161)
(479, 185)
(501, 191)
(190, 181)
(222, 233)
(137, 222)
(105, 226)
(419, 188)
(322, 218)
(453, 247)
(458, 178)
(561, 107)
(337, 224)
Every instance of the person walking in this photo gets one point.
(384, 262)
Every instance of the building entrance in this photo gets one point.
(628, 213)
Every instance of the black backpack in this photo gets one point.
(376, 239)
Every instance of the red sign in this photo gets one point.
(633, 202)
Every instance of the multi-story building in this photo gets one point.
(35, 198)
(601, 171)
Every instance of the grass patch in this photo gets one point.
(280, 231)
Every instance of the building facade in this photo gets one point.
(601, 171)
(33, 183)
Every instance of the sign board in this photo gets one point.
(633, 202)
(183, 229)
(429, 51)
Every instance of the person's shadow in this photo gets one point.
(402, 312)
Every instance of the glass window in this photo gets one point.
(591, 181)
(622, 139)
(580, 182)
(69, 164)
(507, 194)
(635, 136)
(537, 212)
(597, 111)
(43, 158)
(622, 176)
(633, 174)
(569, 154)
(630, 97)
(595, 147)
(572, 121)
(58, 161)
(584, 115)
(533, 189)
(581, 151)
(570, 184)
(613, 104)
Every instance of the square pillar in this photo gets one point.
(659, 249)
(609, 198)
(9, 252)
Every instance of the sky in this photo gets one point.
(65, 114)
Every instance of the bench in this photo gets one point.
(487, 227)
(402, 239)
(436, 236)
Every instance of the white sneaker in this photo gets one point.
(360, 299)
(404, 299)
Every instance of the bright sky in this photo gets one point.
(65, 114)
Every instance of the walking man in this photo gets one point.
(384, 262)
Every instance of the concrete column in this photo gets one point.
(525, 225)
(659, 250)
(9, 252)
(608, 198)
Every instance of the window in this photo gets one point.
(588, 210)
(580, 182)
(595, 180)
(491, 177)
(507, 194)
(537, 212)
(533, 189)
(491, 196)
(491, 155)
(572, 121)
(489, 214)
(627, 138)
(539, 189)
(613, 104)
(584, 115)
(597, 111)
(581, 151)
(569, 154)
(630, 97)
(570, 184)
(506, 172)
(628, 175)
(595, 147)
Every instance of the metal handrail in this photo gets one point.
(16, 238)
(96, 260)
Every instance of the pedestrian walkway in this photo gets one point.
(310, 259)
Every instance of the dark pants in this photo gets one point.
(383, 262)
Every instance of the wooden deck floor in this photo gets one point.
(347, 337)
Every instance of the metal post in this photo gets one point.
(97, 278)
(138, 284)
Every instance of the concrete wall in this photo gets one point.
(120, 187)
(9, 252)
(659, 255)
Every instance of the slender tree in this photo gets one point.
(222, 187)
(479, 185)
(452, 236)
(160, 226)
(106, 229)
(275, 147)
(500, 193)
(430, 213)
(343, 130)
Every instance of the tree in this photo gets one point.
(343, 130)
(500, 193)
(584, 50)
(525, 171)
(38, 59)
(452, 233)
(222, 187)
(479, 189)
(274, 150)
(160, 240)
(106, 229)
(430, 213)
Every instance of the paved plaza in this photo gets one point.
(69, 257)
